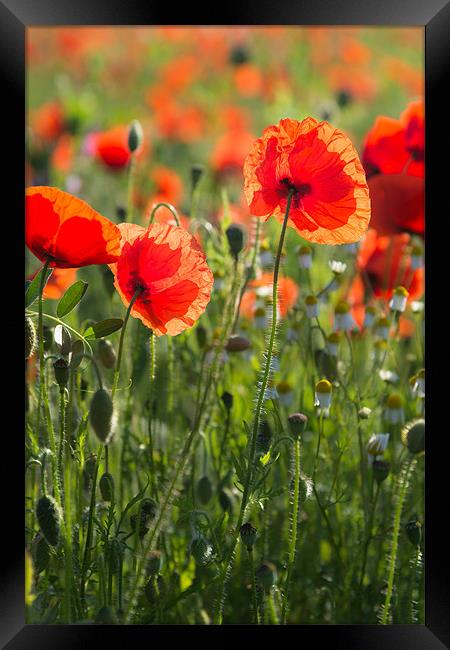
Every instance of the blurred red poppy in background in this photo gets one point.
(168, 184)
(111, 147)
(168, 268)
(47, 122)
(317, 162)
(261, 289)
(66, 230)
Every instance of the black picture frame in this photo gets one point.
(434, 16)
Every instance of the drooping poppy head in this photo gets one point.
(318, 163)
(260, 291)
(66, 230)
(168, 269)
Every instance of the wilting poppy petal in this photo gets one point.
(67, 230)
(330, 204)
(169, 268)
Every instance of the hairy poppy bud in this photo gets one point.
(297, 423)
(106, 353)
(227, 399)
(154, 563)
(49, 517)
(135, 136)
(414, 531)
(30, 337)
(40, 553)
(239, 55)
(201, 550)
(413, 436)
(249, 535)
(108, 279)
(61, 368)
(380, 470)
(100, 415)
(235, 236)
(204, 490)
(266, 575)
(197, 172)
(106, 485)
(149, 508)
(237, 343)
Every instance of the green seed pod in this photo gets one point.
(235, 237)
(197, 171)
(40, 553)
(49, 517)
(106, 485)
(201, 550)
(100, 415)
(30, 337)
(105, 616)
(106, 353)
(204, 490)
(135, 136)
(249, 535)
(297, 424)
(154, 563)
(227, 399)
(414, 531)
(266, 575)
(61, 369)
(413, 436)
(380, 470)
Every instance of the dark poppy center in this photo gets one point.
(300, 189)
(134, 284)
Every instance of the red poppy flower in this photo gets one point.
(67, 230)
(58, 282)
(231, 150)
(167, 184)
(170, 268)
(111, 147)
(398, 203)
(48, 121)
(261, 289)
(63, 153)
(331, 202)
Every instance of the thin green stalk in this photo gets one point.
(87, 547)
(41, 347)
(256, 421)
(252, 574)
(150, 413)
(131, 169)
(369, 536)
(122, 335)
(68, 558)
(293, 531)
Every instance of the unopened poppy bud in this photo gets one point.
(266, 575)
(154, 589)
(135, 136)
(227, 399)
(154, 563)
(239, 55)
(106, 485)
(399, 298)
(235, 237)
(121, 214)
(100, 415)
(297, 424)
(237, 343)
(380, 470)
(414, 532)
(197, 171)
(106, 353)
(343, 98)
(201, 550)
(200, 333)
(49, 518)
(413, 436)
(142, 529)
(249, 535)
(225, 500)
(108, 278)
(204, 490)
(40, 553)
(61, 368)
(30, 337)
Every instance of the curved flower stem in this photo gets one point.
(169, 207)
(256, 420)
(294, 526)
(122, 335)
(403, 483)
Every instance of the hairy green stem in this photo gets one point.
(293, 532)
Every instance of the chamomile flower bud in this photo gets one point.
(265, 254)
(416, 257)
(413, 436)
(419, 384)
(312, 307)
(394, 408)
(369, 316)
(399, 299)
(388, 376)
(333, 344)
(338, 268)
(343, 320)
(305, 257)
(285, 393)
(382, 328)
(297, 424)
(249, 535)
(260, 318)
(377, 444)
(322, 395)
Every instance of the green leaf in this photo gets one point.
(32, 290)
(103, 328)
(71, 298)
